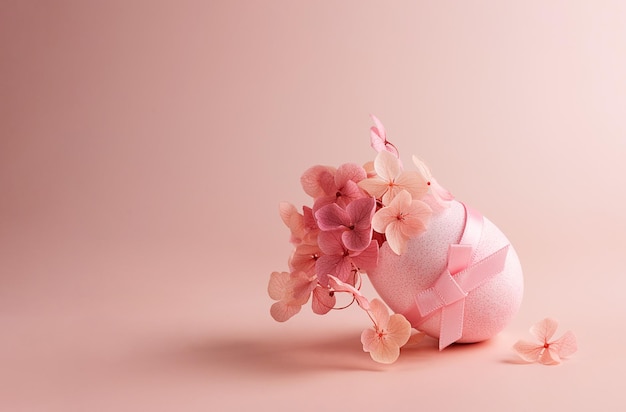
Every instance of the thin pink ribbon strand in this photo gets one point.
(460, 277)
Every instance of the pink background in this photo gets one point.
(144, 148)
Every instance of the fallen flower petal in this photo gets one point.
(546, 351)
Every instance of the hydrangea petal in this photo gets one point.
(293, 220)
(378, 138)
(336, 265)
(379, 348)
(549, 356)
(309, 219)
(386, 352)
(369, 339)
(416, 219)
(440, 196)
(316, 180)
(529, 351)
(327, 265)
(368, 258)
(323, 300)
(398, 329)
(390, 194)
(278, 285)
(412, 182)
(356, 240)
(282, 311)
(303, 258)
(422, 168)
(395, 238)
(387, 166)
(330, 243)
(374, 186)
(349, 172)
(379, 313)
(361, 212)
(349, 192)
(566, 345)
(332, 217)
(383, 218)
(544, 330)
(323, 201)
(300, 286)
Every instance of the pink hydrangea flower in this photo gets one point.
(389, 334)
(439, 194)
(341, 262)
(291, 290)
(356, 209)
(355, 221)
(378, 138)
(327, 185)
(546, 350)
(391, 180)
(403, 219)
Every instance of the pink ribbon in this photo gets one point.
(460, 277)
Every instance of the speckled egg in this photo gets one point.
(488, 308)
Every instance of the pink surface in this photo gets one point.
(144, 148)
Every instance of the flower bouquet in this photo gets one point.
(443, 268)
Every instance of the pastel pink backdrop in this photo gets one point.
(144, 147)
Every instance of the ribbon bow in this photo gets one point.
(458, 279)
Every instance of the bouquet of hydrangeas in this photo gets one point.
(356, 209)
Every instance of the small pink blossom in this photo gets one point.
(355, 221)
(291, 290)
(378, 138)
(403, 219)
(390, 180)
(341, 262)
(328, 185)
(439, 194)
(546, 351)
(389, 334)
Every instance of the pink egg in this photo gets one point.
(488, 308)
